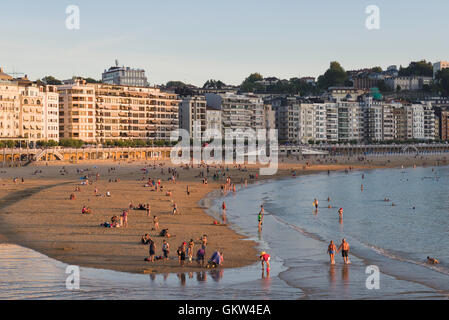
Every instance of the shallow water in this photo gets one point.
(397, 238)
(27, 274)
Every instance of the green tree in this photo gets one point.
(334, 76)
(376, 70)
(50, 80)
(71, 143)
(250, 85)
(92, 80)
(442, 82)
(175, 84)
(213, 84)
(417, 68)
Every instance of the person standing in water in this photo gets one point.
(315, 204)
(331, 249)
(344, 247)
(265, 258)
(260, 217)
(340, 213)
(223, 212)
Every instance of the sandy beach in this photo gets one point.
(39, 214)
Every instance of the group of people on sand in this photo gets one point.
(117, 221)
(185, 252)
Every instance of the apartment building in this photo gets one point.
(373, 114)
(313, 125)
(269, 117)
(331, 122)
(77, 118)
(286, 113)
(408, 83)
(100, 112)
(27, 110)
(124, 76)
(238, 111)
(350, 121)
(417, 120)
(9, 106)
(51, 112)
(429, 122)
(213, 119)
(444, 125)
(192, 115)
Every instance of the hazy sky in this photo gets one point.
(196, 40)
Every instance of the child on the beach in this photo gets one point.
(156, 223)
(190, 250)
(165, 249)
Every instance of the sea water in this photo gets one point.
(396, 239)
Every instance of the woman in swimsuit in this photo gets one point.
(331, 250)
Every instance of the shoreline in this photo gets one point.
(238, 250)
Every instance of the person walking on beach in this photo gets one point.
(125, 218)
(260, 217)
(331, 249)
(152, 250)
(182, 254)
(344, 247)
(148, 210)
(223, 212)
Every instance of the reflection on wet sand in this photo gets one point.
(201, 276)
(332, 275)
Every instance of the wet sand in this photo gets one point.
(39, 215)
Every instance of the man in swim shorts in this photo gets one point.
(344, 247)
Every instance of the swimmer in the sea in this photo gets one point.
(432, 260)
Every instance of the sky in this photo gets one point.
(193, 41)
